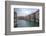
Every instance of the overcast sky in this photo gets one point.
(24, 11)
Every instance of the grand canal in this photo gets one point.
(25, 23)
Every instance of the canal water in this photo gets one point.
(25, 23)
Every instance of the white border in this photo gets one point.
(25, 28)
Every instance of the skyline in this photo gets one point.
(24, 11)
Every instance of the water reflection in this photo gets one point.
(24, 23)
